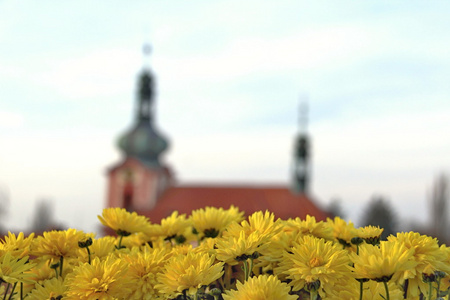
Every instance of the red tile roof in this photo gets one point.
(279, 200)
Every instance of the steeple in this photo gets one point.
(143, 141)
(145, 89)
(301, 163)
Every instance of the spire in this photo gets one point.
(144, 112)
(143, 141)
(301, 172)
(145, 89)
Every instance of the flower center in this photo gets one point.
(314, 262)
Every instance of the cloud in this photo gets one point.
(245, 56)
(100, 73)
(10, 120)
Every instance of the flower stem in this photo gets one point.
(61, 259)
(228, 272)
(312, 295)
(12, 291)
(6, 291)
(120, 242)
(430, 290)
(361, 290)
(438, 289)
(245, 269)
(405, 288)
(250, 269)
(89, 255)
(21, 291)
(387, 290)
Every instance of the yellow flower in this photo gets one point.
(13, 270)
(101, 248)
(50, 289)
(371, 234)
(211, 221)
(310, 226)
(316, 264)
(39, 273)
(271, 256)
(248, 239)
(263, 287)
(343, 232)
(207, 246)
(123, 222)
(55, 245)
(381, 263)
(425, 254)
(446, 257)
(265, 224)
(175, 227)
(371, 290)
(181, 249)
(233, 249)
(187, 273)
(99, 280)
(19, 246)
(143, 266)
(132, 240)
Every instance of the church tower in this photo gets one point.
(301, 163)
(141, 177)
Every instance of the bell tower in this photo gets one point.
(301, 161)
(137, 182)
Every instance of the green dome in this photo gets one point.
(143, 143)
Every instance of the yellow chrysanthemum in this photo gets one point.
(264, 223)
(19, 245)
(272, 256)
(371, 290)
(343, 232)
(445, 250)
(383, 262)
(181, 249)
(427, 257)
(56, 244)
(50, 289)
(207, 246)
(175, 228)
(143, 266)
(371, 234)
(187, 273)
(232, 249)
(317, 263)
(263, 287)
(123, 222)
(13, 270)
(310, 226)
(101, 248)
(211, 221)
(245, 239)
(39, 273)
(99, 280)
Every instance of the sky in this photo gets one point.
(230, 76)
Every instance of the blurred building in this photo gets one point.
(142, 182)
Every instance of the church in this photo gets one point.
(143, 183)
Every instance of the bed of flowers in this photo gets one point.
(216, 254)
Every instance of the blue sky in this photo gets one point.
(230, 76)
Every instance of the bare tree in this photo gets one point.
(4, 201)
(335, 208)
(380, 213)
(439, 207)
(43, 216)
